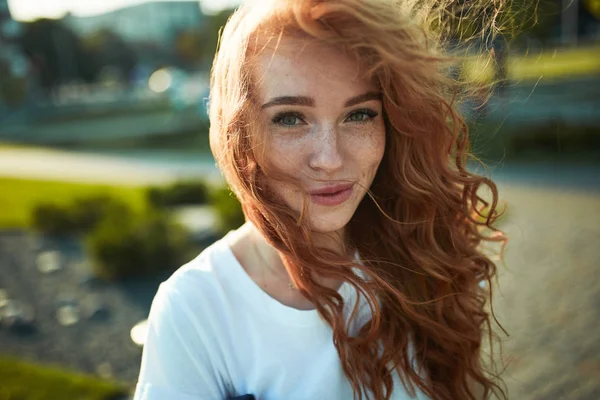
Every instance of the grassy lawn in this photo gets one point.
(555, 64)
(548, 64)
(20, 196)
(13, 146)
(21, 380)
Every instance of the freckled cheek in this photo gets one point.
(286, 156)
(367, 150)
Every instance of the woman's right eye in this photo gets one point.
(288, 120)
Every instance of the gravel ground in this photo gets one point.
(549, 300)
(100, 344)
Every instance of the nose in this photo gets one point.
(326, 155)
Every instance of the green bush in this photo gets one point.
(53, 219)
(122, 243)
(228, 208)
(21, 380)
(180, 193)
(155, 196)
(89, 212)
(137, 245)
(81, 216)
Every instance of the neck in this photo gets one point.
(274, 259)
(335, 241)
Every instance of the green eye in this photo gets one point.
(361, 116)
(288, 120)
(358, 117)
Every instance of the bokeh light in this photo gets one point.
(160, 81)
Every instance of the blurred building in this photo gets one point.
(157, 22)
(10, 31)
(13, 64)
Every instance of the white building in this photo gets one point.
(155, 21)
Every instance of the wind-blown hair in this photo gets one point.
(420, 229)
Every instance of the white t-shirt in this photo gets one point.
(213, 333)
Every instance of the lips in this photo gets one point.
(332, 195)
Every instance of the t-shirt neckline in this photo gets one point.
(258, 298)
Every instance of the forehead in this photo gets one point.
(306, 68)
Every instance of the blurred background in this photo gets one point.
(107, 185)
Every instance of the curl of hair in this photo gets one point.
(419, 230)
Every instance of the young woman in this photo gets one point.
(357, 272)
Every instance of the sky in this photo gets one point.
(26, 10)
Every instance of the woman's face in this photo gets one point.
(324, 129)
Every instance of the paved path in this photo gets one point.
(549, 298)
(94, 343)
(93, 168)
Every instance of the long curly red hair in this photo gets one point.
(419, 230)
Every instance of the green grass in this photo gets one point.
(20, 196)
(21, 380)
(555, 64)
(14, 146)
(549, 65)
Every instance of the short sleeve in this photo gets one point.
(176, 362)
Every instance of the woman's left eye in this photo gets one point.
(361, 116)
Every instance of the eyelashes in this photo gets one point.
(363, 112)
(293, 119)
(287, 119)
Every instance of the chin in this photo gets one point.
(329, 222)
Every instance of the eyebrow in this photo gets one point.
(310, 102)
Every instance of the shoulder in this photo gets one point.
(207, 274)
(182, 354)
(198, 292)
(190, 307)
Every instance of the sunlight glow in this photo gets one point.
(27, 10)
(138, 333)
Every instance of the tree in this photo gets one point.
(110, 50)
(188, 46)
(13, 89)
(56, 52)
(198, 46)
